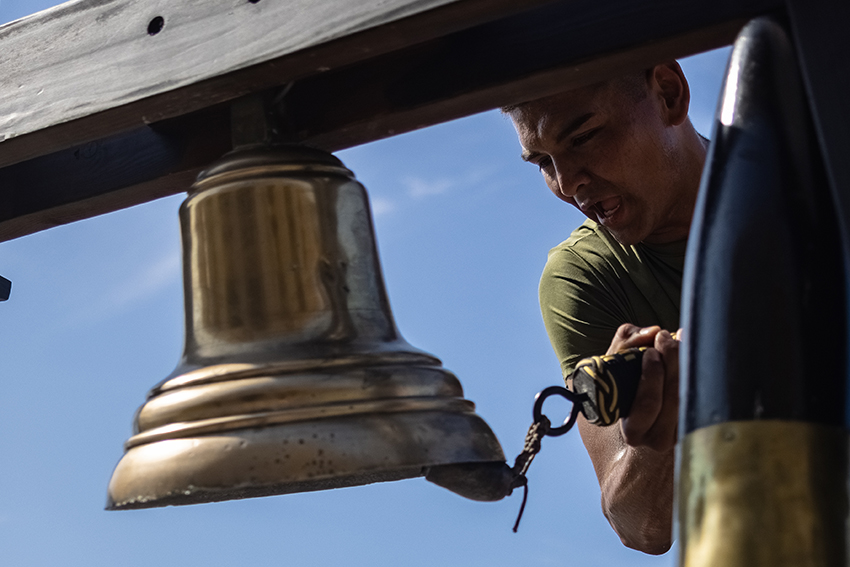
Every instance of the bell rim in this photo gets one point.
(298, 457)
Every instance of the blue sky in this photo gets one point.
(95, 320)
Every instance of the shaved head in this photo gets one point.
(633, 85)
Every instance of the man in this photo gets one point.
(624, 153)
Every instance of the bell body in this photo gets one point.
(763, 460)
(294, 376)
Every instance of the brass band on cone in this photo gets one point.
(765, 493)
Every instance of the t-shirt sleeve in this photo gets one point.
(579, 306)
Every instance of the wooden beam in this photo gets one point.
(110, 174)
(543, 51)
(475, 55)
(90, 69)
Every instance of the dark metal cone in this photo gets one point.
(762, 459)
(763, 297)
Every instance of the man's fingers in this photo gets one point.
(625, 331)
(653, 419)
(648, 401)
(629, 336)
(662, 434)
(669, 349)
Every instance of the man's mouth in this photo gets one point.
(607, 207)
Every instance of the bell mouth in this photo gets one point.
(243, 436)
(319, 454)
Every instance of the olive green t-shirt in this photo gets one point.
(592, 284)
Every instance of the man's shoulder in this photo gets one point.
(589, 245)
(588, 234)
(583, 294)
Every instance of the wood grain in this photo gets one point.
(441, 63)
(96, 58)
(541, 52)
(87, 56)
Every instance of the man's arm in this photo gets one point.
(586, 293)
(634, 461)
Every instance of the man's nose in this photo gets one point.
(571, 178)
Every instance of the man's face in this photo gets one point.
(607, 153)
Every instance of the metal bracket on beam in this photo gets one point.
(5, 288)
(258, 119)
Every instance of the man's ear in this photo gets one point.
(668, 81)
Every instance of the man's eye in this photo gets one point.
(582, 138)
(544, 163)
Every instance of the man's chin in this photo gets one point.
(620, 225)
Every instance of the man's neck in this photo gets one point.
(690, 162)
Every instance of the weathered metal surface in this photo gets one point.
(763, 494)
(294, 376)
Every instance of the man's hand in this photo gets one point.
(635, 462)
(653, 419)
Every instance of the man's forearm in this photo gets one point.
(636, 485)
(634, 461)
(637, 498)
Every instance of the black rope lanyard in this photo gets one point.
(540, 428)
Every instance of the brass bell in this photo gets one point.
(294, 376)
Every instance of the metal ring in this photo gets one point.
(576, 400)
